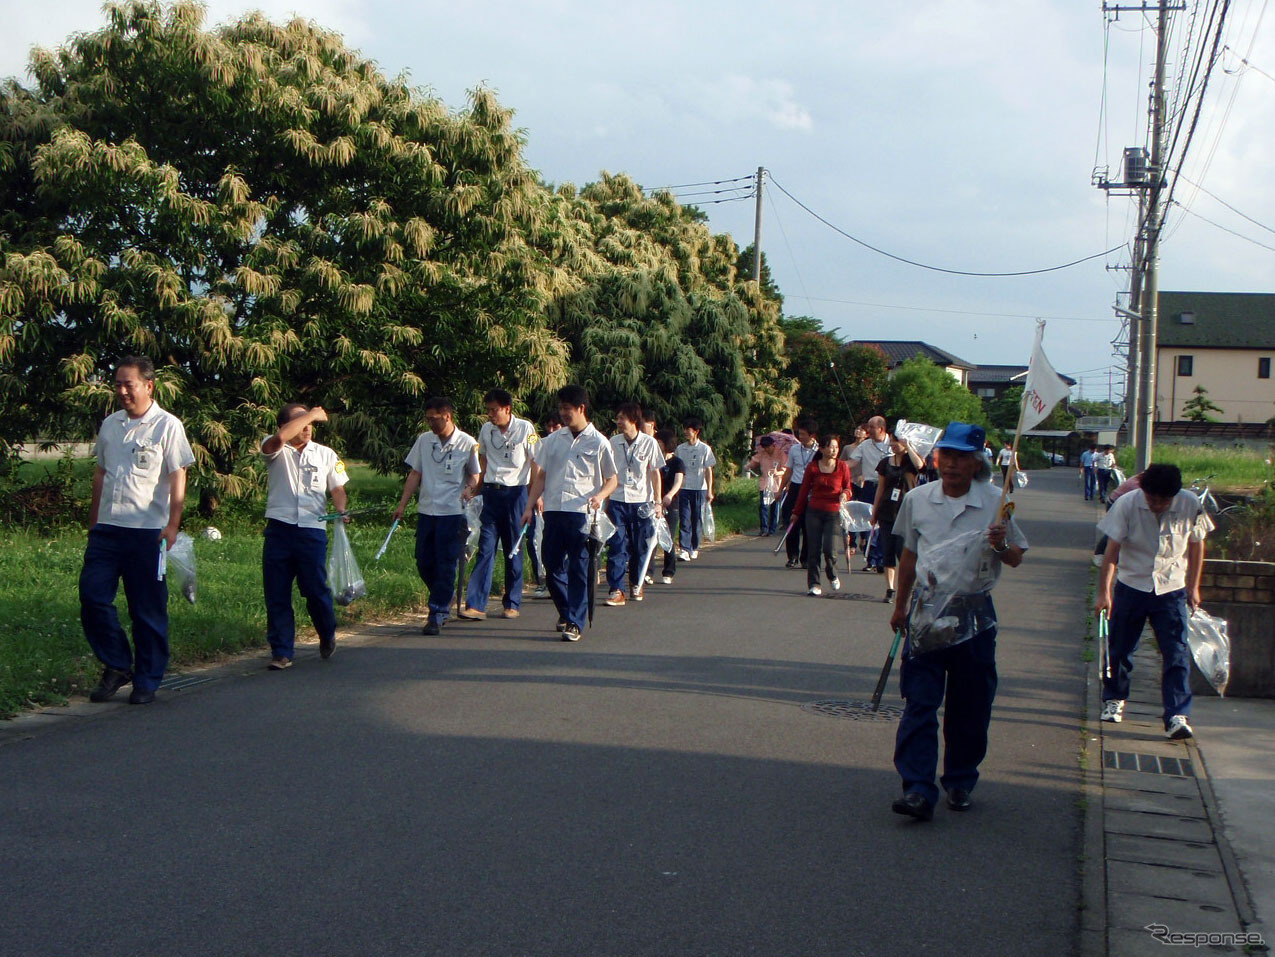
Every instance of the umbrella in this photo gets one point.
(783, 441)
(594, 545)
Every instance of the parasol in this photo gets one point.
(783, 441)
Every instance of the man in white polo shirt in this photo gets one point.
(864, 459)
(139, 490)
(302, 473)
(697, 486)
(800, 455)
(444, 467)
(505, 443)
(634, 504)
(1155, 554)
(576, 474)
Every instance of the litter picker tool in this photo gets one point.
(784, 538)
(885, 671)
(1104, 645)
(385, 544)
(355, 513)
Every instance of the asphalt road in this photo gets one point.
(657, 788)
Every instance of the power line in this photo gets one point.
(920, 265)
(1227, 205)
(960, 312)
(709, 192)
(1221, 227)
(712, 182)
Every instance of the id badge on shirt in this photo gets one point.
(986, 571)
(896, 494)
(447, 465)
(144, 457)
(310, 478)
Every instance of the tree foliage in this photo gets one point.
(1199, 407)
(839, 386)
(1002, 413)
(921, 391)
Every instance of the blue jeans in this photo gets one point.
(440, 541)
(131, 554)
(966, 675)
(503, 506)
(1168, 614)
(565, 553)
(294, 553)
(1091, 482)
(767, 515)
(690, 508)
(627, 547)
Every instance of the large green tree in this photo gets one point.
(921, 391)
(838, 385)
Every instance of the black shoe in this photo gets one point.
(570, 632)
(326, 647)
(431, 628)
(141, 697)
(914, 805)
(112, 680)
(889, 595)
(562, 625)
(792, 563)
(958, 799)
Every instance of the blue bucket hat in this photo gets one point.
(962, 437)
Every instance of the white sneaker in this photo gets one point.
(649, 580)
(542, 591)
(694, 554)
(815, 590)
(835, 583)
(1178, 728)
(666, 580)
(683, 555)
(1112, 711)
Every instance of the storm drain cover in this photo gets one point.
(854, 710)
(1147, 763)
(178, 682)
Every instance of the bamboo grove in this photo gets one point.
(269, 217)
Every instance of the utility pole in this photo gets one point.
(761, 175)
(1133, 389)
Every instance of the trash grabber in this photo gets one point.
(385, 544)
(885, 671)
(787, 530)
(1104, 647)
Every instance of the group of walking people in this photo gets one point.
(1097, 469)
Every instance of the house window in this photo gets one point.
(991, 393)
(1264, 367)
(1186, 365)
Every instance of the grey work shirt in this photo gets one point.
(1153, 547)
(137, 456)
(927, 518)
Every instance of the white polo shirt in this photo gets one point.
(443, 467)
(576, 467)
(299, 482)
(634, 462)
(1153, 547)
(799, 457)
(137, 456)
(508, 453)
(868, 454)
(696, 458)
(927, 518)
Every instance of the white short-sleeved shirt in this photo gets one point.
(299, 482)
(799, 457)
(1005, 456)
(508, 453)
(1153, 547)
(633, 463)
(1104, 460)
(927, 518)
(576, 467)
(443, 467)
(696, 458)
(868, 454)
(137, 456)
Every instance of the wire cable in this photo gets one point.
(921, 265)
(961, 312)
(1221, 227)
(783, 232)
(712, 182)
(1226, 204)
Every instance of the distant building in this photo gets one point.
(899, 351)
(1224, 341)
(990, 382)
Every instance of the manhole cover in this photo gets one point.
(854, 710)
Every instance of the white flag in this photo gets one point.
(1044, 388)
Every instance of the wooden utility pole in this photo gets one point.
(761, 175)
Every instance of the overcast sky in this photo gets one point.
(959, 134)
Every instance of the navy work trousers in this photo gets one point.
(966, 675)
(440, 541)
(627, 547)
(131, 554)
(1168, 614)
(565, 553)
(503, 506)
(690, 513)
(291, 553)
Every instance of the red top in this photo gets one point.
(822, 489)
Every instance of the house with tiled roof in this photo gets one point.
(990, 382)
(1224, 341)
(899, 351)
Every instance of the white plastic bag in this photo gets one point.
(663, 534)
(1020, 479)
(181, 562)
(473, 524)
(1210, 647)
(344, 577)
(856, 517)
(950, 602)
(539, 537)
(708, 523)
(921, 437)
(598, 525)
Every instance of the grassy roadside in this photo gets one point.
(43, 654)
(1232, 469)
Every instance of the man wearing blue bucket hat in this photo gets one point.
(964, 673)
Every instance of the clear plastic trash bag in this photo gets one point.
(598, 525)
(768, 497)
(1118, 478)
(1020, 479)
(181, 565)
(663, 534)
(950, 601)
(1210, 647)
(344, 577)
(539, 538)
(856, 517)
(709, 523)
(473, 523)
(918, 435)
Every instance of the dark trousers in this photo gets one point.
(690, 511)
(440, 541)
(873, 551)
(503, 506)
(1130, 611)
(565, 552)
(822, 531)
(627, 547)
(536, 562)
(1091, 482)
(795, 546)
(131, 554)
(1104, 479)
(965, 675)
(767, 515)
(670, 557)
(291, 553)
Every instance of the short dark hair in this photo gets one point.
(145, 368)
(500, 397)
(631, 411)
(766, 441)
(574, 395)
(440, 403)
(648, 416)
(1161, 480)
(289, 412)
(693, 422)
(553, 418)
(666, 438)
(809, 425)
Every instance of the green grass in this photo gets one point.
(44, 657)
(1231, 468)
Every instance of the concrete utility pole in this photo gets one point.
(1133, 388)
(761, 175)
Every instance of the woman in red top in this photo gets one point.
(826, 487)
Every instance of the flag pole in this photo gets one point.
(1018, 431)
